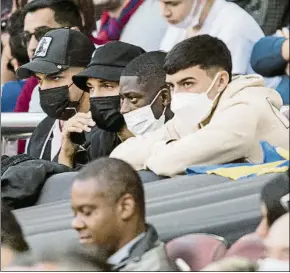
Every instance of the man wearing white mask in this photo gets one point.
(218, 119)
(145, 98)
(218, 18)
(277, 245)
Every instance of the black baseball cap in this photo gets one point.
(108, 63)
(58, 50)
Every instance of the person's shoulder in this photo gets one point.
(239, 19)
(13, 84)
(154, 259)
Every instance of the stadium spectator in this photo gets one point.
(7, 9)
(131, 21)
(88, 14)
(108, 203)
(270, 57)
(42, 16)
(145, 98)
(60, 54)
(269, 14)
(101, 78)
(17, 56)
(271, 207)
(239, 31)
(277, 245)
(12, 239)
(217, 119)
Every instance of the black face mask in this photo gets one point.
(54, 102)
(106, 113)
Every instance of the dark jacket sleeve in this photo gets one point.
(266, 57)
(102, 143)
(99, 143)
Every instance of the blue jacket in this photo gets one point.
(10, 92)
(267, 60)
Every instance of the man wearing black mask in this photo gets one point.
(100, 80)
(60, 54)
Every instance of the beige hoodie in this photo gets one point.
(247, 112)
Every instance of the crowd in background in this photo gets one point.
(172, 87)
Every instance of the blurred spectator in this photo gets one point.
(269, 14)
(109, 212)
(7, 9)
(70, 257)
(239, 31)
(271, 207)
(88, 14)
(270, 57)
(12, 239)
(236, 264)
(60, 54)
(100, 79)
(131, 21)
(18, 56)
(211, 109)
(277, 244)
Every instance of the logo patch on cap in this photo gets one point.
(43, 47)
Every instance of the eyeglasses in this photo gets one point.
(284, 201)
(38, 34)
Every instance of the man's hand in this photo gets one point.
(124, 133)
(284, 32)
(80, 122)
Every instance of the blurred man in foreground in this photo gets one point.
(108, 203)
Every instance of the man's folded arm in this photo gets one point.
(227, 138)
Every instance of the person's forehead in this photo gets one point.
(44, 76)
(87, 192)
(96, 82)
(40, 18)
(191, 72)
(130, 84)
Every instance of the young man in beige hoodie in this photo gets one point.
(218, 118)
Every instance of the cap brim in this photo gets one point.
(36, 66)
(108, 73)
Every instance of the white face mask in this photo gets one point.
(142, 120)
(199, 104)
(270, 264)
(192, 19)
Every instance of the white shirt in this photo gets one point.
(235, 27)
(146, 27)
(124, 252)
(56, 140)
(34, 104)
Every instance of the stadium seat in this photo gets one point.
(197, 250)
(249, 246)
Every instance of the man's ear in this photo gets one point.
(126, 206)
(224, 79)
(166, 97)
